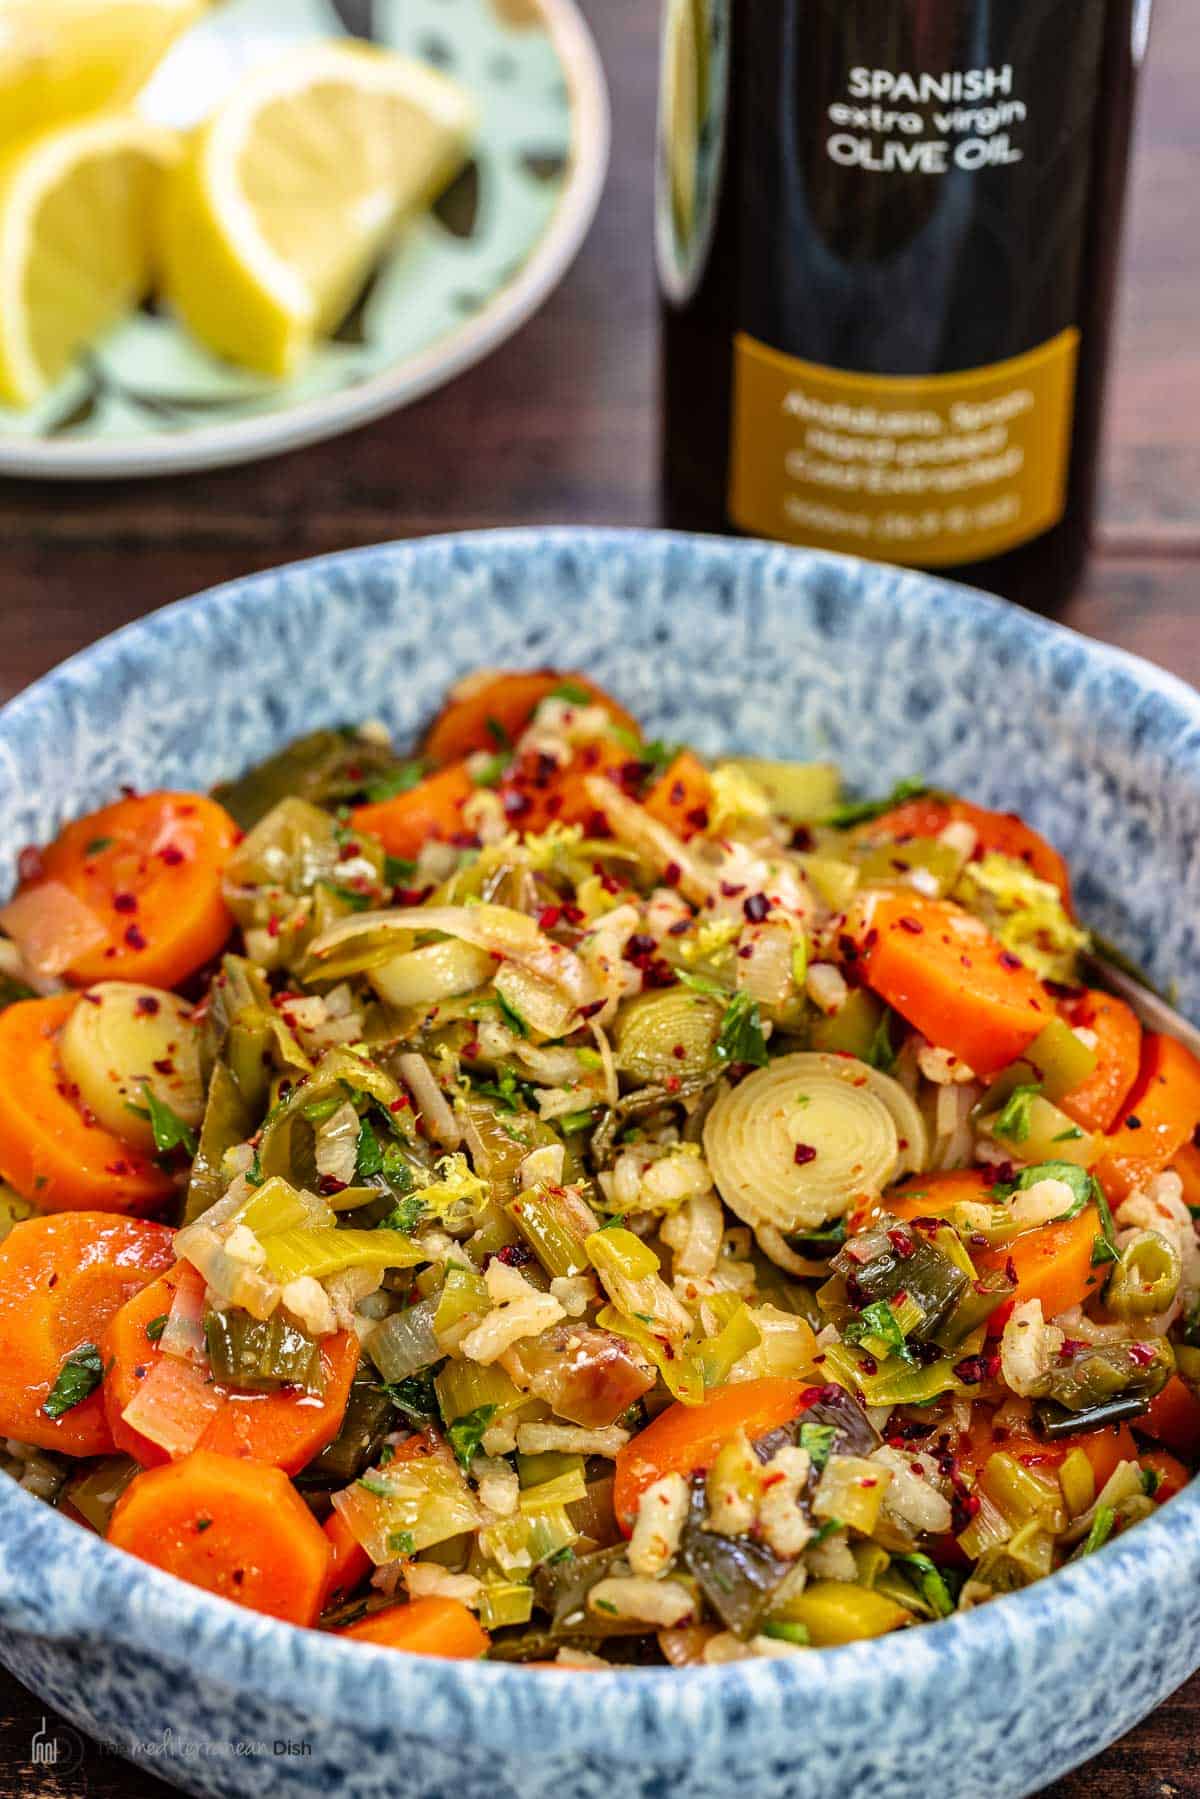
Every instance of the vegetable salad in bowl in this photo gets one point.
(552, 1197)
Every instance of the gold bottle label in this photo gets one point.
(927, 469)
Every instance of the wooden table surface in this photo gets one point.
(559, 426)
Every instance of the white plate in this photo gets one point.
(150, 401)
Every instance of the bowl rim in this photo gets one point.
(64, 1585)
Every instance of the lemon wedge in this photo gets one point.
(60, 59)
(285, 198)
(76, 242)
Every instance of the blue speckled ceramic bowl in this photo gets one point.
(734, 644)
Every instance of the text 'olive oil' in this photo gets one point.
(887, 236)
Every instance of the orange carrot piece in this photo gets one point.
(1105, 1449)
(349, 1563)
(536, 797)
(1052, 1263)
(1173, 1477)
(946, 974)
(150, 868)
(1187, 1167)
(430, 811)
(1118, 1033)
(285, 1428)
(1003, 832)
(682, 796)
(61, 1280)
(233, 1527)
(686, 1439)
(1174, 1418)
(509, 701)
(54, 1153)
(1158, 1119)
(424, 1627)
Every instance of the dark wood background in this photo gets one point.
(560, 426)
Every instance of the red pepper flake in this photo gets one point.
(731, 889)
(680, 1052)
(348, 851)
(399, 1105)
(30, 866)
(516, 805)
(671, 874)
(590, 1011)
(912, 925)
(672, 1083)
(1010, 1271)
(134, 937)
(697, 817)
(848, 946)
(574, 914)
(164, 1065)
(1008, 960)
(1142, 1354)
(756, 906)
(680, 928)
(273, 925)
(803, 1153)
(548, 917)
(1133, 1122)
(678, 793)
(147, 1005)
(125, 902)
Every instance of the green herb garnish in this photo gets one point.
(78, 1379)
(818, 1439)
(860, 812)
(466, 1433)
(401, 779)
(1015, 1119)
(741, 1037)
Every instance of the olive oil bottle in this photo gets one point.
(887, 241)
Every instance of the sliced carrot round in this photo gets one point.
(51, 1150)
(286, 1428)
(1159, 1117)
(1003, 832)
(149, 868)
(423, 1627)
(944, 972)
(686, 1439)
(485, 711)
(429, 812)
(233, 1527)
(1052, 1264)
(61, 1280)
(1096, 1102)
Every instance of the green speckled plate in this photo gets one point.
(149, 400)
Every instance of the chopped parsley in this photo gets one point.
(878, 1323)
(577, 1121)
(401, 779)
(369, 1157)
(78, 1379)
(95, 846)
(405, 1217)
(371, 1484)
(1015, 1118)
(170, 1132)
(401, 1542)
(882, 1054)
(398, 871)
(861, 812)
(493, 771)
(1104, 1247)
(818, 1439)
(156, 1327)
(703, 983)
(572, 692)
(466, 1433)
(414, 1397)
(741, 1037)
(1102, 1524)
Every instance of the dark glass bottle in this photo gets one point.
(887, 236)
